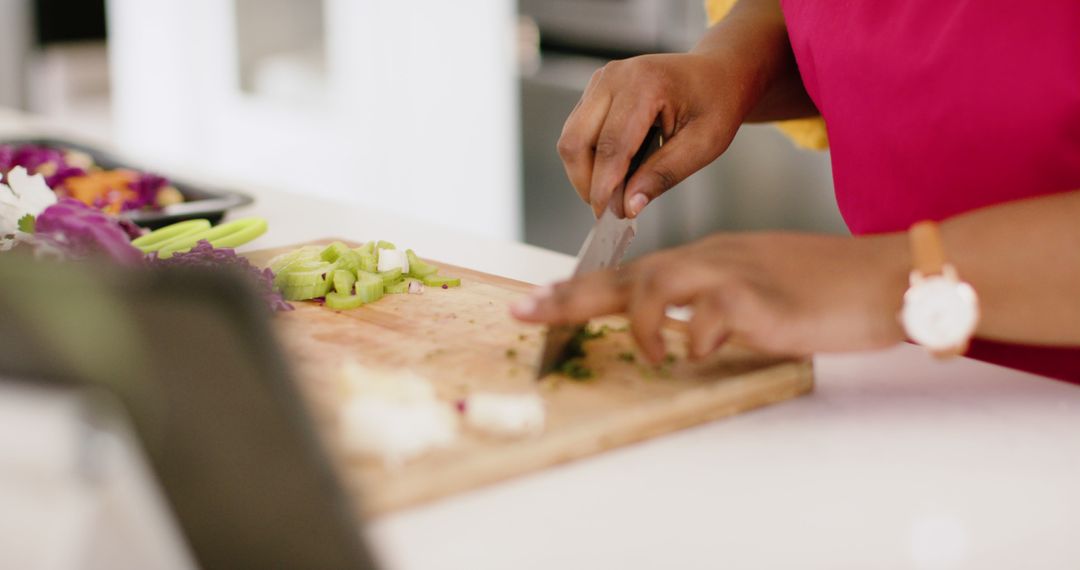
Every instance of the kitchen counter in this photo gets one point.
(894, 461)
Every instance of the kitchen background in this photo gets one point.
(444, 111)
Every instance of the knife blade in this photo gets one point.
(605, 246)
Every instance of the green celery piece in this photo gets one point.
(385, 245)
(342, 302)
(368, 247)
(343, 281)
(349, 260)
(368, 262)
(25, 224)
(321, 274)
(440, 280)
(282, 260)
(391, 275)
(369, 286)
(417, 267)
(398, 287)
(160, 236)
(333, 251)
(305, 292)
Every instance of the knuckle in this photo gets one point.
(568, 146)
(607, 147)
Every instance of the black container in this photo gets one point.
(199, 202)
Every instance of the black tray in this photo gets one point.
(199, 202)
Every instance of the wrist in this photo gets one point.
(888, 263)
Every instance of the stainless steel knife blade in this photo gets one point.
(605, 246)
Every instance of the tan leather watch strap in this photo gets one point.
(927, 249)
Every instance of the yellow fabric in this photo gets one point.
(805, 133)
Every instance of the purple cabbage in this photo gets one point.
(146, 188)
(204, 255)
(81, 231)
(36, 157)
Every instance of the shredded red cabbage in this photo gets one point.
(81, 231)
(146, 188)
(35, 158)
(204, 255)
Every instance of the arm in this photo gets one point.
(804, 293)
(772, 80)
(742, 69)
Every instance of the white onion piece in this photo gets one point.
(505, 414)
(395, 431)
(393, 415)
(416, 287)
(390, 259)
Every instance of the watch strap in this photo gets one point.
(927, 249)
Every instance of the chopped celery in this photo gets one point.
(440, 280)
(398, 287)
(280, 262)
(303, 292)
(390, 276)
(368, 262)
(385, 245)
(333, 251)
(343, 281)
(349, 260)
(369, 286)
(150, 241)
(418, 268)
(368, 247)
(343, 302)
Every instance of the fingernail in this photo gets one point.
(524, 306)
(638, 203)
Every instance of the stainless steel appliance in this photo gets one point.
(762, 182)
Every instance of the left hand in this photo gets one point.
(781, 293)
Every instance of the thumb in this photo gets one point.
(682, 155)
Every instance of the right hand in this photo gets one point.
(687, 95)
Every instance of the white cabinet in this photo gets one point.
(405, 106)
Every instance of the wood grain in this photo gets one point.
(464, 340)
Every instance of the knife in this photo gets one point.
(604, 247)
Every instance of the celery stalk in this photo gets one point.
(417, 267)
(342, 302)
(440, 280)
(390, 276)
(369, 286)
(152, 240)
(343, 281)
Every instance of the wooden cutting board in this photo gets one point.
(464, 340)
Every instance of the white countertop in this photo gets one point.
(894, 461)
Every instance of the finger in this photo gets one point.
(656, 287)
(707, 328)
(580, 132)
(686, 152)
(575, 301)
(623, 131)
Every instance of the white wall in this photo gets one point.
(419, 113)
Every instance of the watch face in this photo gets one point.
(940, 313)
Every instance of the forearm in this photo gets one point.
(1023, 259)
(753, 40)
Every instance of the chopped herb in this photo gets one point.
(26, 224)
(511, 353)
(627, 356)
(575, 369)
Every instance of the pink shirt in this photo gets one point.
(937, 107)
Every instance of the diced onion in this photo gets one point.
(505, 414)
(390, 259)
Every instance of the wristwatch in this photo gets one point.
(940, 311)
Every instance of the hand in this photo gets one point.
(688, 95)
(791, 294)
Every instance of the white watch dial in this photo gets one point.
(940, 313)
